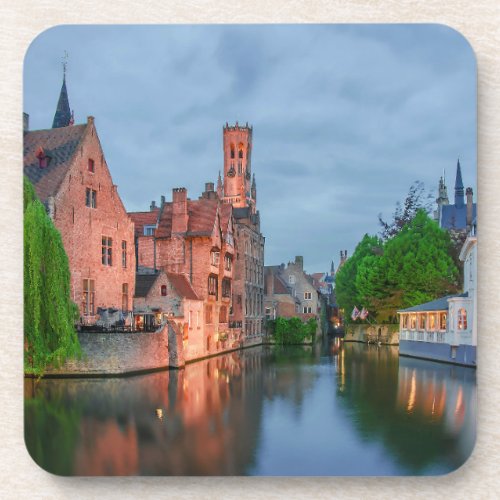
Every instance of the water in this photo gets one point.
(340, 409)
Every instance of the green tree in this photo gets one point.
(412, 267)
(49, 314)
(347, 283)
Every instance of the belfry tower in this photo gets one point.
(237, 144)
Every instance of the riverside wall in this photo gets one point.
(386, 334)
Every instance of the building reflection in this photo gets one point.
(203, 420)
(427, 418)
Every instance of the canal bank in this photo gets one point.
(112, 354)
(383, 333)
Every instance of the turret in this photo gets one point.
(63, 116)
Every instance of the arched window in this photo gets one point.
(164, 290)
(462, 319)
(232, 151)
(240, 153)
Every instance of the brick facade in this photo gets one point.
(76, 187)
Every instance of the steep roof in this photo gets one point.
(201, 218)
(144, 283)
(226, 210)
(141, 219)
(60, 145)
(182, 286)
(440, 304)
(455, 217)
(62, 116)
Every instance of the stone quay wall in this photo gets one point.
(386, 334)
(107, 354)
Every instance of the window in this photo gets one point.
(307, 295)
(163, 290)
(91, 198)
(214, 258)
(88, 299)
(442, 321)
(125, 297)
(307, 309)
(232, 151)
(240, 169)
(413, 321)
(462, 319)
(226, 287)
(228, 261)
(208, 315)
(432, 322)
(268, 312)
(91, 165)
(149, 230)
(240, 153)
(107, 251)
(212, 285)
(223, 314)
(291, 279)
(405, 321)
(124, 254)
(422, 321)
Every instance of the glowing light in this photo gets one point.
(413, 392)
(159, 413)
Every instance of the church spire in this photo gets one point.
(459, 187)
(220, 189)
(63, 116)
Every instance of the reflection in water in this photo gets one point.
(343, 409)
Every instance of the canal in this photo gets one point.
(336, 409)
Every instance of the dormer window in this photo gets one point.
(214, 257)
(91, 165)
(43, 159)
(149, 230)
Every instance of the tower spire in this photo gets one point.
(220, 189)
(459, 187)
(62, 117)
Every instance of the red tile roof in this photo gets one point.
(182, 286)
(60, 145)
(142, 219)
(201, 218)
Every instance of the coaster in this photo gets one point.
(250, 250)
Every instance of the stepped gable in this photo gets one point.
(58, 145)
(141, 219)
(182, 286)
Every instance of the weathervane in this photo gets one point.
(65, 63)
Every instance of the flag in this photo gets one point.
(363, 314)
(355, 313)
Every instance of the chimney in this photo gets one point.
(468, 217)
(209, 193)
(209, 187)
(269, 282)
(90, 120)
(179, 210)
(26, 122)
(299, 261)
(162, 201)
(152, 206)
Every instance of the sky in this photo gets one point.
(345, 117)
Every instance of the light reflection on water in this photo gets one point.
(340, 409)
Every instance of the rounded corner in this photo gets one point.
(36, 38)
(34, 458)
(462, 37)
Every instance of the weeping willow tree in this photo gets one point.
(49, 314)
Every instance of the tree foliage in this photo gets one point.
(293, 330)
(412, 267)
(417, 199)
(49, 313)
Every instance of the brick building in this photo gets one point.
(239, 190)
(67, 167)
(194, 239)
(161, 295)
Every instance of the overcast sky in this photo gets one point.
(345, 117)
